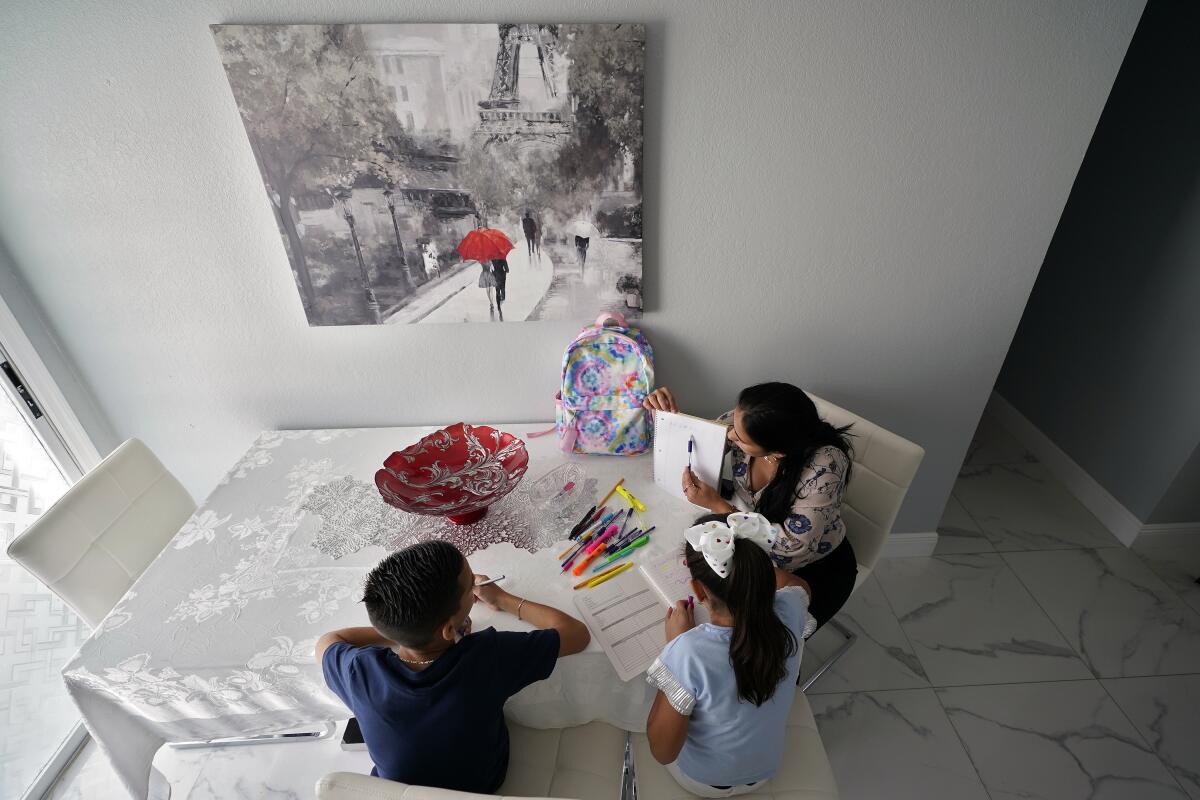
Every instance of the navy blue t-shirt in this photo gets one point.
(444, 725)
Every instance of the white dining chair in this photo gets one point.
(884, 465)
(93, 543)
(583, 763)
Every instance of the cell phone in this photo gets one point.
(352, 738)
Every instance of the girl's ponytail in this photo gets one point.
(761, 644)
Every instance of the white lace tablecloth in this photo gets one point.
(216, 637)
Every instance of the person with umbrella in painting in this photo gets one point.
(488, 245)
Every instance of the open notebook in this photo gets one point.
(626, 614)
(671, 435)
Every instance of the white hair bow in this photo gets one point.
(715, 540)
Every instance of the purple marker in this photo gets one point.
(691, 444)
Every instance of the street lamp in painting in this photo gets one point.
(390, 197)
(343, 198)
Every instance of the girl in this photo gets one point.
(792, 467)
(725, 688)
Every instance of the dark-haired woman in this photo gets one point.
(792, 467)
(725, 687)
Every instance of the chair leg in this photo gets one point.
(266, 738)
(850, 635)
(628, 778)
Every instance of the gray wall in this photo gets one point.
(1106, 361)
(1181, 502)
(852, 196)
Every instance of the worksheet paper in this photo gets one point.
(671, 435)
(626, 614)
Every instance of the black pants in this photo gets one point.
(500, 281)
(831, 580)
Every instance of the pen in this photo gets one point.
(619, 542)
(575, 531)
(584, 541)
(595, 545)
(691, 444)
(610, 574)
(610, 493)
(490, 581)
(629, 548)
(691, 603)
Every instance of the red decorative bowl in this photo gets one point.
(456, 472)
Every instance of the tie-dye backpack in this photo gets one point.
(607, 372)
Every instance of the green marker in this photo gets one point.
(634, 545)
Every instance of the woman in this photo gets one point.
(487, 282)
(792, 467)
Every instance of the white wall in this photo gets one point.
(852, 196)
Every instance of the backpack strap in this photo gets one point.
(616, 318)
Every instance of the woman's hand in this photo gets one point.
(703, 495)
(660, 399)
(679, 620)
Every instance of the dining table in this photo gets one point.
(215, 638)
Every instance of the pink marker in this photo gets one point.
(611, 530)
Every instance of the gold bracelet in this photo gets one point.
(519, 607)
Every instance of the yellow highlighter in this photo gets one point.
(638, 505)
(611, 574)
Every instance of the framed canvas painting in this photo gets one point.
(424, 173)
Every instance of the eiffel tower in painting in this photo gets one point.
(502, 116)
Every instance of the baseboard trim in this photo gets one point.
(909, 545)
(1170, 533)
(1095, 498)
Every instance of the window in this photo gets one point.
(403, 94)
(399, 65)
(387, 65)
(412, 125)
(390, 91)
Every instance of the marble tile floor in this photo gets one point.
(1030, 657)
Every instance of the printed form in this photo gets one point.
(626, 615)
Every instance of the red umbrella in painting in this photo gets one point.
(484, 244)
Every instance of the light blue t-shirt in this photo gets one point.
(730, 741)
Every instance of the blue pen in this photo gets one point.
(691, 444)
(624, 540)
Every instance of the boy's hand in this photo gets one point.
(679, 620)
(489, 595)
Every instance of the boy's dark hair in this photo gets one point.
(412, 592)
(761, 644)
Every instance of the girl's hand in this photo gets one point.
(660, 399)
(703, 495)
(679, 620)
(489, 595)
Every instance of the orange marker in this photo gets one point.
(589, 558)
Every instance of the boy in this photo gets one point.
(429, 694)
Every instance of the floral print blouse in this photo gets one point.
(814, 524)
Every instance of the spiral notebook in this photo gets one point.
(671, 435)
(626, 614)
